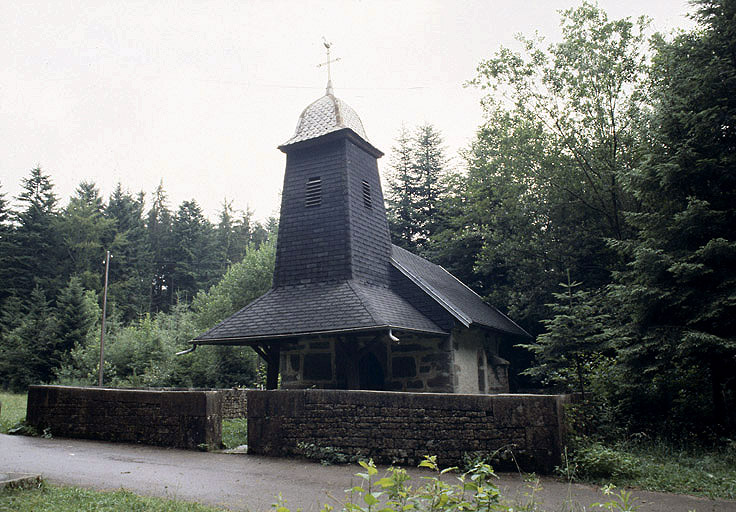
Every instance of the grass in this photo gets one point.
(234, 432)
(660, 466)
(50, 498)
(13, 410)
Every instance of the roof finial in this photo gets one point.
(329, 76)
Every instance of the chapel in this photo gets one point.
(347, 309)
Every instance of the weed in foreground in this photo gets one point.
(472, 491)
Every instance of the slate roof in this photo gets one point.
(459, 300)
(319, 308)
(327, 114)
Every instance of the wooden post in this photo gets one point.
(102, 329)
(274, 356)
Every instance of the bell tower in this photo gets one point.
(333, 224)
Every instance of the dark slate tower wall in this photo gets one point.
(313, 242)
(369, 234)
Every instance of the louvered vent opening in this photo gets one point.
(314, 192)
(367, 195)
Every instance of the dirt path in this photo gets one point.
(249, 482)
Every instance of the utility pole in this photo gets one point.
(104, 312)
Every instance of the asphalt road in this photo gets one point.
(250, 482)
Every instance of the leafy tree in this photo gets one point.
(677, 292)
(587, 92)
(546, 172)
(243, 282)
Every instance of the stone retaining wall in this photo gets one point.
(182, 419)
(404, 427)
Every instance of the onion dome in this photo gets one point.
(326, 115)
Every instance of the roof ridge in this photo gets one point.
(482, 299)
(424, 286)
(360, 299)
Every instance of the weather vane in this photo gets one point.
(329, 75)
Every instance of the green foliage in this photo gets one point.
(77, 314)
(676, 327)
(242, 283)
(196, 266)
(601, 463)
(621, 501)
(161, 243)
(30, 353)
(85, 233)
(35, 247)
(142, 353)
(416, 187)
(131, 267)
(475, 490)
(234, 432)
(326, 455)
(49, 498)
(13, 410)
(658, 466)
(572, 349)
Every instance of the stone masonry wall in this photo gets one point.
(181, 419)
(404, 427)
(234, 403)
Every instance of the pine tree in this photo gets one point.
(678, 289)
(86, 234)
(194, 266)
(161, 243)
(5, 248)
(399, 195)
(131, 268)
(574, 340)
(429, 167)
(76, 315)
(233, 234)
(30, 353)
(416, 187)
(36, 248)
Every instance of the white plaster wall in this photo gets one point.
(466, 344)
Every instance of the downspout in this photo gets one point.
(187, 351)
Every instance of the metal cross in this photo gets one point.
(329, 76)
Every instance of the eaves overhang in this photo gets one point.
(255, 340)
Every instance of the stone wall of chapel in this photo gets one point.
(413, 363)
(309, 363)
(467, 344)
(421, 364)
(477, 366)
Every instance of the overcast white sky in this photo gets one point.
(200, 93)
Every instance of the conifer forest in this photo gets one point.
(595, 205)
